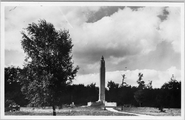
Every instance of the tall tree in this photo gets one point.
(48, 62)
(139, 94)
(123, 81)
(172, 93)
(113, 91)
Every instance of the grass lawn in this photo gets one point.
(91, 111)
(76, 111)
(152, 111)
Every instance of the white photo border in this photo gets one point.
(4, 4)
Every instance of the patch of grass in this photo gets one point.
(76, 111)
(152, 111)
(92, 111)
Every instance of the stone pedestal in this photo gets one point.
(110, 104)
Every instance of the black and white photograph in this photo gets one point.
(92, 60)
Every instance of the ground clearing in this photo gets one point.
(76, 111)
(90, 111)
(152, 111)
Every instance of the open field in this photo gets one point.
(152, 111)
(76, 111)
(90, 111)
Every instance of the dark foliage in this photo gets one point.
(48, 64)
(13, 86)
(80, 94)
(168, 96)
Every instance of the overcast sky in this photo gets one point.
(131, 39)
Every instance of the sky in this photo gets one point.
(132, 39)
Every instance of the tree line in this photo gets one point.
(168, 96)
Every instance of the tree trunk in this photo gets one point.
(54, 112)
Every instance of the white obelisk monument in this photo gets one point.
(102, 81)
(101, 102)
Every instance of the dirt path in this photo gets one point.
(113, 110)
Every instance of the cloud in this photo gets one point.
(158, 78)
(160, 59)
(129, 37)
(125, 29)
(171, 28)
(102, 12)
(14, 58)
(19, 18)
(87, 79)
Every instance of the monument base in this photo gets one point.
(102, 104)
(96, 104)
(110, 104)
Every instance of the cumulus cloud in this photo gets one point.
(171, 28)
(128, 36)
(157, 77)
(124, 29)
(19, 18)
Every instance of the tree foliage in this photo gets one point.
(13, 86)
(171, 93)
(112, 89)
(49, 63)
(139, 94)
